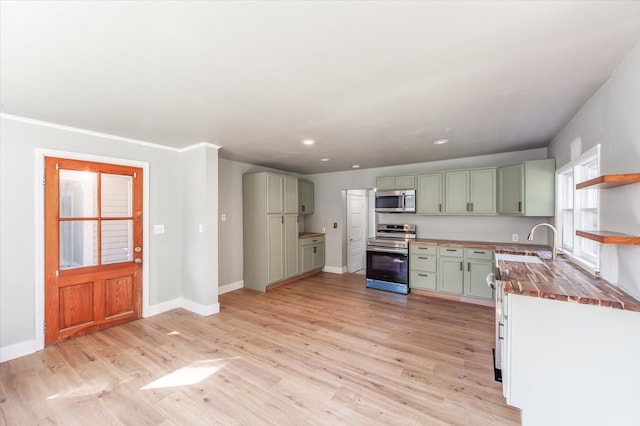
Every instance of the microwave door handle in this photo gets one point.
(402, 201)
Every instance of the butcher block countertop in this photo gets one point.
(557, 280)
(310, 234)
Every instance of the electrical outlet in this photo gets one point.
(514, 237)
(223, 217)
(324, 230)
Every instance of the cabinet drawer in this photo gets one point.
(423, 263)
(425, 280)
(451, 251)
(423, 249)
(310, 241)
(479, 254)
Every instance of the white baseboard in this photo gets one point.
(230, 287)
(335, 269)
(17, 350)
(159, 308)
(204, 310)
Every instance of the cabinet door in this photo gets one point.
(290, 194)
(451, 275)
(483, 191)
(275, 195)
(457, 192)
(510, 189)
(405, 182)
(275, 242)
(385, 182)
(305, 197)
(290, 245)
(429, 194)
(307, 258)
(318, 256)
(475, 283)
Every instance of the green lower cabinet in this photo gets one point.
(311, 254)
(423, 280)
(451, 275)
(475, 280)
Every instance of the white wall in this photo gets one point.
(612, 118)
(330, 205)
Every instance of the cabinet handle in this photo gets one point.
(451, 250)
(468, 266)
(314, 249)
(423, 258)
(519, 206)
(480, 252)
(440, 207)
(303, 207)
(467, 206)
(281, 219)
(471, 207)
(500, 325)
(461, 268)
(423, 275)
(422, 248)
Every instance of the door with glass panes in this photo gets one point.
(93, 246)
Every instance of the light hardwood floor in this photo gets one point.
(323, 350)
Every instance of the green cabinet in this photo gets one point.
(463, 271)
(395, 182)
(470, 191)
(423, 261)
(527, 189)
(311, 253)
(270, 228)
(429, 194)
(305, 197)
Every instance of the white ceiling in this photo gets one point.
(374, 83)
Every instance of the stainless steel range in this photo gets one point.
(388, 258)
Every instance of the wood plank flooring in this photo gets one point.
(322, 350)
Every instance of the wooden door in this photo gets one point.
(356, 231)
(93, 247)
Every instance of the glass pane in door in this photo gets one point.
(116, 195)
(78, 193)
(117, 241)
(78, 243)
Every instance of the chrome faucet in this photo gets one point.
(554, 250)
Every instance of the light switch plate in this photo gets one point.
(158, 229)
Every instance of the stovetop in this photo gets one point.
(392, 235)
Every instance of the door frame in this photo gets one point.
(40, 153)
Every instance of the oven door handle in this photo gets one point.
(404, 252)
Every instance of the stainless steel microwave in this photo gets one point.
(402, 201)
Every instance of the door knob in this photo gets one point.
(137, 260)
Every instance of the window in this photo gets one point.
(578, 210)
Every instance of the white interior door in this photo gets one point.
(356, 230)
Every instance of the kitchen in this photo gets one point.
(607, 116)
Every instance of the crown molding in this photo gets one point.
(105, 135)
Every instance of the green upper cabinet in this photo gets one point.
(482, 194)
(470, 191)
(429, 194)
(275, 194)
(290, 194)
(527, 189)
(305, 197)
(395, 182)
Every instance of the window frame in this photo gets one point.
(575, 253)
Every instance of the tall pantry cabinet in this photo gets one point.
(270, 221)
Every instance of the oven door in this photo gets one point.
(388, 264)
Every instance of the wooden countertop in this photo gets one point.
(557, 280)
(310, 234)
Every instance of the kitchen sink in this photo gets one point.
(517, 258)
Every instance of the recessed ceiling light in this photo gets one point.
(324, 159)
(308, 142)
(441, 141)
(355, 166)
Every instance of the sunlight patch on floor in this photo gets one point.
(189, 375)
